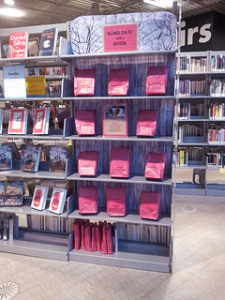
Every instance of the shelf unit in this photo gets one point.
(150, 254)
(193, 115)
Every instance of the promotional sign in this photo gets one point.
(120, 38)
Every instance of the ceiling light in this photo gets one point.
(160, 3)
(9, 2)
(11, 12)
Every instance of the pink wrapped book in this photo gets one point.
(120, 162)
(88, 199)
(116, 201)
(84, 82)
(147, 122)
(155, 165)
(149, 205)
(87, 163)
(118, 82)
(85, 122)
(156, 82)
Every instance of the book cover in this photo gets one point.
(57, 159)
(5, 157)
(36, 86)
(14, 193)
(48, 42)
(39, 197)
(33, 47)
(88, 199)
(2, 193)
(41, 120)
(63, 113)
(115, 119)
(14, 82)
(31, 158)
(18, 121)
(18, 42)
(57, 200)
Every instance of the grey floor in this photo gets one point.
(199, 266)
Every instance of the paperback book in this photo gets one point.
(2, 193)
(14, 193)
(18, 43)
(18, 121)
(5, 157)
(57, 159)
(41, 120)
(48, 42)
(57, 200)
(39, 197)
(31, 158)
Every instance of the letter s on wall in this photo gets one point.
(205, 33)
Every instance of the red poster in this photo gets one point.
(120, 37)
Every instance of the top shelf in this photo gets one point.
(36, 61)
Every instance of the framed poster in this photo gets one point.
(115, 120)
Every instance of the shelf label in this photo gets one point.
(120, 37)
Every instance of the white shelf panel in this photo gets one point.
(132, 179)
(41, 174)
(131, 217)
(37, 61)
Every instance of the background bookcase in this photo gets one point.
(200, 107)
(139, 243)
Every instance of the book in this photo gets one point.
(18, 43)
(41, 120)
(115, 119)
(48, 42)
(33, 46)
(14, 82)
(57, 159)
(63, 113)
(31, 158)
(1, 119)
(39, 197)
(57, 200)
(35, 86)
(14, 193)
(18, 121)
(5, 157)
(2, 193)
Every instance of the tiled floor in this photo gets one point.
(199, 266)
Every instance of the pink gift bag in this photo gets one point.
(110, 246)
(85, 122)
(149, 205)
(87, 163)
(155, 165)
(84, 82)
(156, 82)
(118, 82)
(147, 122)
(120, 162)
(116, 201)
(88, 199)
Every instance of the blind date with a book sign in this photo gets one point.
(120, 37)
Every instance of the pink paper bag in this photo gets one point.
(149, 205)
(155, 165)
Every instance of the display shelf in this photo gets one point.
(104, 98)
(131, 179)
(31, 99)
(33, 137)
(130, 217)
(37, 61)
(189, 189)
(159, 261)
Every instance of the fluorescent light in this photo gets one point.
(9, 2)
(11, 12)
(160, 3)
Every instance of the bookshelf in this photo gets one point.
(199, 121)
(139, 243)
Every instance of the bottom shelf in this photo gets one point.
(130, 255)
(37, 244)
(187, 188)
(215, 189)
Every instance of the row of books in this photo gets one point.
(216, 136)
(192, 64)
(217, 111)
(215, 159)
(11, 193)
(218, 63)
(8, 226)
(47, 71)
(191, 88)
(20, 46)
(31, 158)
(186, 110)
(144, 233)
(217, 87)
(189, 131)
